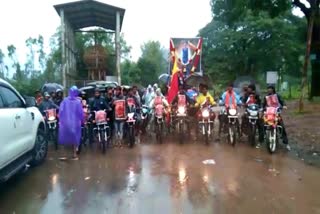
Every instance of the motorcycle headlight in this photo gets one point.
(130, 115)
(181, 110)
(253, 113)
(205, 113)
(232, 112)
(51, 118)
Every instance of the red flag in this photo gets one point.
(174, 87)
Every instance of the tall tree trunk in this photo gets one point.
(306, 62)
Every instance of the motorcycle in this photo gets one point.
(159, 121)
(273, 130)
(102, 129)
(233, 124)
(181, 118)
(252, 119)
(145, 118)
(84, 128)
(131, 125)
(52, 125)
(206, 119)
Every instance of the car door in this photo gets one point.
(15, 126)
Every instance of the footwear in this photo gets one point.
(288, 147)
(258, 146)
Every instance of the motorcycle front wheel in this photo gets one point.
(206, 134)
(159, 132)
(54, 137)
(180, 131)
(131, 136)
(271, 140)
(232, 134)
(252, 135)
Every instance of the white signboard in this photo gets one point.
(272, 77)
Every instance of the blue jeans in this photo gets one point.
(118, 127)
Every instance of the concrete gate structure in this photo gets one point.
(81, 14)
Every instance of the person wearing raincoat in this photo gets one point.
(148, 97)
(71, 117)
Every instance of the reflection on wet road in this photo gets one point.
(168, 178)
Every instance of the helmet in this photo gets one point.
(58, 90)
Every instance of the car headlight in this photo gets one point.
(205, 113)
(181, 110)
(232, 112)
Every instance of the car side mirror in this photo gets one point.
(30, 101)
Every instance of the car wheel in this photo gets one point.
(40, 149)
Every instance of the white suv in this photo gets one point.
(22, 132)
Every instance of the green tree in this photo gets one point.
(152, 62)
(2, 66)
(130, 73)
(246, 37)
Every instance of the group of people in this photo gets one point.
(71, 109)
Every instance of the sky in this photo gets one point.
(144, 20)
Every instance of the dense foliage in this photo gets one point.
(252, 37)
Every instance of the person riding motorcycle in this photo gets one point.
(148, 96)
(159, 99)
(273, 99)
(204, 98)
(59, 97)
(47, 104)
(251, 97)
(38, 97)
(229, 99)
(96, 104)
(182, 92)
(136, 94)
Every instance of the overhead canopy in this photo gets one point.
(88, 13)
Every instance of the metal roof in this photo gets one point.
(89, 13)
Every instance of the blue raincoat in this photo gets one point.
(71, 116)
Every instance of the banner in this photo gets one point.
(185, 55)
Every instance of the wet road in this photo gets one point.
(168, 178)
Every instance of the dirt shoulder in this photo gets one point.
(304, 131)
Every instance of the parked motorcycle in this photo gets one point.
(181, 119)
(145, 118)
(233, 124)
(252, 119)
(159, 122)
(84, 128)
(52, 126)
(273, 130)
(206, 119)
(131, 125)
(102, 129)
